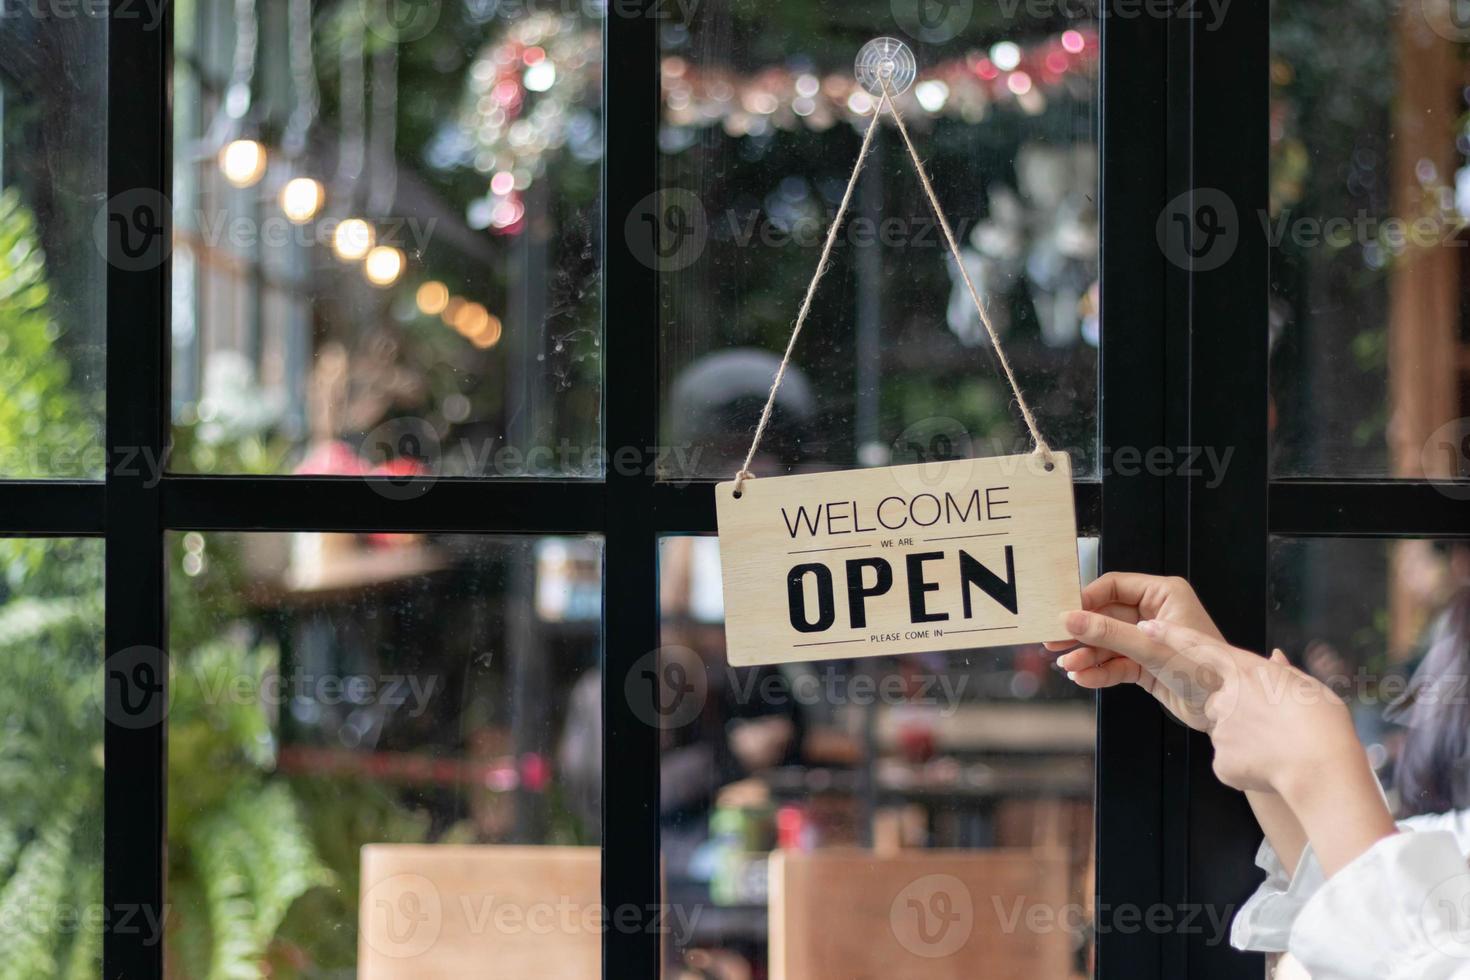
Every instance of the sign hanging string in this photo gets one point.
(826, 259)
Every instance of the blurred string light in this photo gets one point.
(1006, 55)
(534, 92)
(432, 297)
(1007, 74)
(489, 334)
(243, 162)
(477, 325)
(302, 199)
(540, 76)
(531, 93)
(931, 94)
(450, 313)
(194, 560)
(241, 157)
(384, 265)
(352, 239)
(470, 320)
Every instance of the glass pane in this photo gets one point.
(53, 243)
(51, 788)
(812, 812)
(762, 121)
(1376, 620)
(386, 255)
(1370, 192)
(384, 755)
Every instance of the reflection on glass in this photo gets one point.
(762, 121)
(362, 726)
(51, 758)
(1370, 194)
(805, 807)
(1386, 624)
(385, 254)
(53, 247)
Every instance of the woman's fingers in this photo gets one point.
(1106, 633)
(1201, 667)
(1109, 673)
(1083, 658)
(1118, 610)
(1179, 639)
(1113, 610)
(1118, 588)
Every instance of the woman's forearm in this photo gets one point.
(1282, 829)
(1340, 807)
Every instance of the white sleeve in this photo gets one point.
(1264, 922)
(1399, 911)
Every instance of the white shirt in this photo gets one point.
(1399, 911)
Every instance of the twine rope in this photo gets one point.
(825, 261)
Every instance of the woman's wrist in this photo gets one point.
(1282, 830)
(1302, 775)
(1336, 798)
(1305, 766)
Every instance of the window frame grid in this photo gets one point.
(1162, 822)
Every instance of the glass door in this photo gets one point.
(429, 327)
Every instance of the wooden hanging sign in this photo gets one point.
(904, 559)
(930, 556)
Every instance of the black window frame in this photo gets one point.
(1174, 372)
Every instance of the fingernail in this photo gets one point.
(1072, 676)
(1075, 622)
(1148, 627)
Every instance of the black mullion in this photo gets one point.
(1228, 399)
(1370, 508)
(1176, 395)
(630, 795)
(1129, 822)
(138, 165)
(303, 503)
(51, 508)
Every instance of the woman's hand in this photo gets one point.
(1125, 598)
(1273, 727)
(1181, 685)
(1276, 730)
(1272, 724)
(1132, 596)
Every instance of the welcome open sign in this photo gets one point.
(904, 559)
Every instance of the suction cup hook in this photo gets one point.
(885, 59)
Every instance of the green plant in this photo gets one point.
(50, 632)
(243, 847)
(50, 787)
(48, 428)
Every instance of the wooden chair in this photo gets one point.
(488, 912)
(936, 914)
